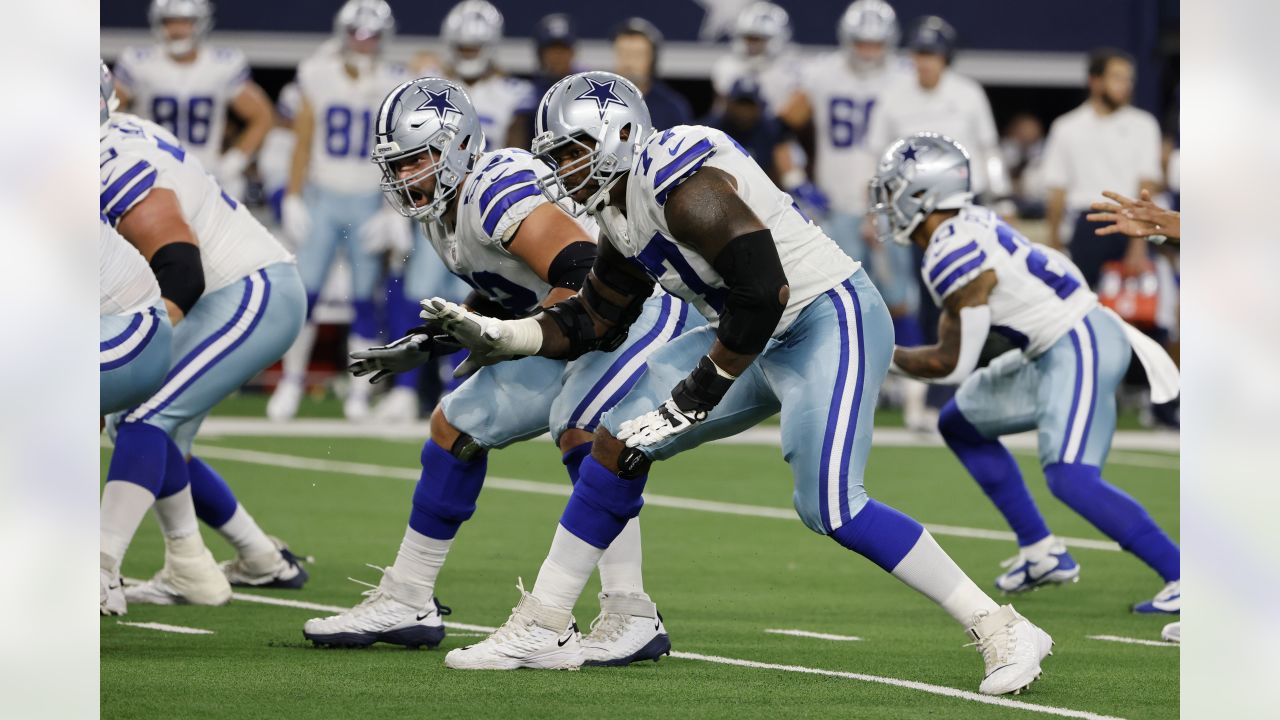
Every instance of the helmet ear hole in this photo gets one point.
(624, 132)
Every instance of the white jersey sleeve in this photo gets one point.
(957, 254)
(501, 195)
(125, 282)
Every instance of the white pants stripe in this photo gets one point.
(835, 484)
(1086, 387)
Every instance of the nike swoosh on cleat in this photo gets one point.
(424, 616)
(993, 672)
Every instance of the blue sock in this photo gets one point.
(214, 501)
(140, 456)
(176, 477)
(365, 323)
(446, 493)
(312, 299)
(907, 332)
(880, 534)
(601, 504)
(573, 460)
(997, 473)
(1117, 515)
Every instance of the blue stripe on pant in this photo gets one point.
(133, 355)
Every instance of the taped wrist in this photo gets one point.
(180, 273)
(703, 389)
(570, 267)
(577, 326)
(758, 291)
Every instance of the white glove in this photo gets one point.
(295, 219)
(231, 172)
(387, 230)
(658, 425)
(489, 340)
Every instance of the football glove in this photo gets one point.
(690, 403)
(412, 350)
(490, 340)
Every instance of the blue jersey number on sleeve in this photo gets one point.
(1037, 262)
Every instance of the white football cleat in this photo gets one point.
(535, 636)
(1172, 632)
(1011, 648)
(356, 406)
(190, 576)
(399, 405)
(1030, 569)
(283, 405)
(1168, 601)
(628, 629)
(279, 569)
(387, 614)
(112, 598)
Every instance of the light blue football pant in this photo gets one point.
(892, 266)
(335, 223)
(133, 356)
(229, 336)
(520, 399)
(1067, 394)
(823, 374)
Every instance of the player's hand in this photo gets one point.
(414, 349)
(490, 340)
(1135, 218)
(295, 219)
(230, 172)
(812, 199)
(386, 231)
(658, 425)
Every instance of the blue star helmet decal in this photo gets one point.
(439, 102)
(909, 153)
(602, 94)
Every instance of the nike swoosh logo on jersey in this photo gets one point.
(676, 149)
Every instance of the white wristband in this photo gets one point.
(524, 336)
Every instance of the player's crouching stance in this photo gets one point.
(1061, 381)
(795, 326)
(485, 217)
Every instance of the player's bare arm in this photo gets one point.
(253, 107)
(555, 247)
(304, 125)
(157, 228)
(958, 345)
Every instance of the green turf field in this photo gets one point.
(720, 580)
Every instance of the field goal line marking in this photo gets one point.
(814, 635)
(162, 627)
(908, 684)
(297, 462)
(1133, 641)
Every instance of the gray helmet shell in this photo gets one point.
(916, 176)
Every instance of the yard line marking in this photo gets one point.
(1133, 641)
(302, 604)
(296, 462)
(909, 684)
(180, 629)
(1140, 440)
(815, 635)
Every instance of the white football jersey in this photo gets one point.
(497, 99)
(494, 199)
(844, 103)
(813, 263)
(778, 79)
(126, 284)
(1039, 294)
(137, 155)
(187, 99)
(344, 109)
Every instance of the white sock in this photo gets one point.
(1040, 548)
(566, 570)
(928, 569)
(419, 562)
(124, 504)
(620, 565)
(298, 356)
(177, 514)
(246, 537)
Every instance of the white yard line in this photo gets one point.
(814, 635)
(296, 462)
(1132, 641)
(179, 629)
(909, 684)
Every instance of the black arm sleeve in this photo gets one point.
(180, 274)
(751, 268)
(570, 267)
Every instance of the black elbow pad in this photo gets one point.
(179, 273)
(576, 324)
(570, 267)
(757, 286)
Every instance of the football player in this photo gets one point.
(472, 30)
(187, 86)
(761, 50)
(1061, 381)
(489, 223)
(795, 326)
(328, 202)
(133, 324)
(234, 298)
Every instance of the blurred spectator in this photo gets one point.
(636, 44)
(473, 29)
(556, 42)
(942, 101)
(1104, 143)
(760, 50)
(1022, 149)
(745, 119)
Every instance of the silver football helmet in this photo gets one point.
(471, 24)
(868, 21)
(595, 106)
(359, 21)
(916, 176)
(198, 11)
(107, 91)
(426, 128)
(762, 20)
